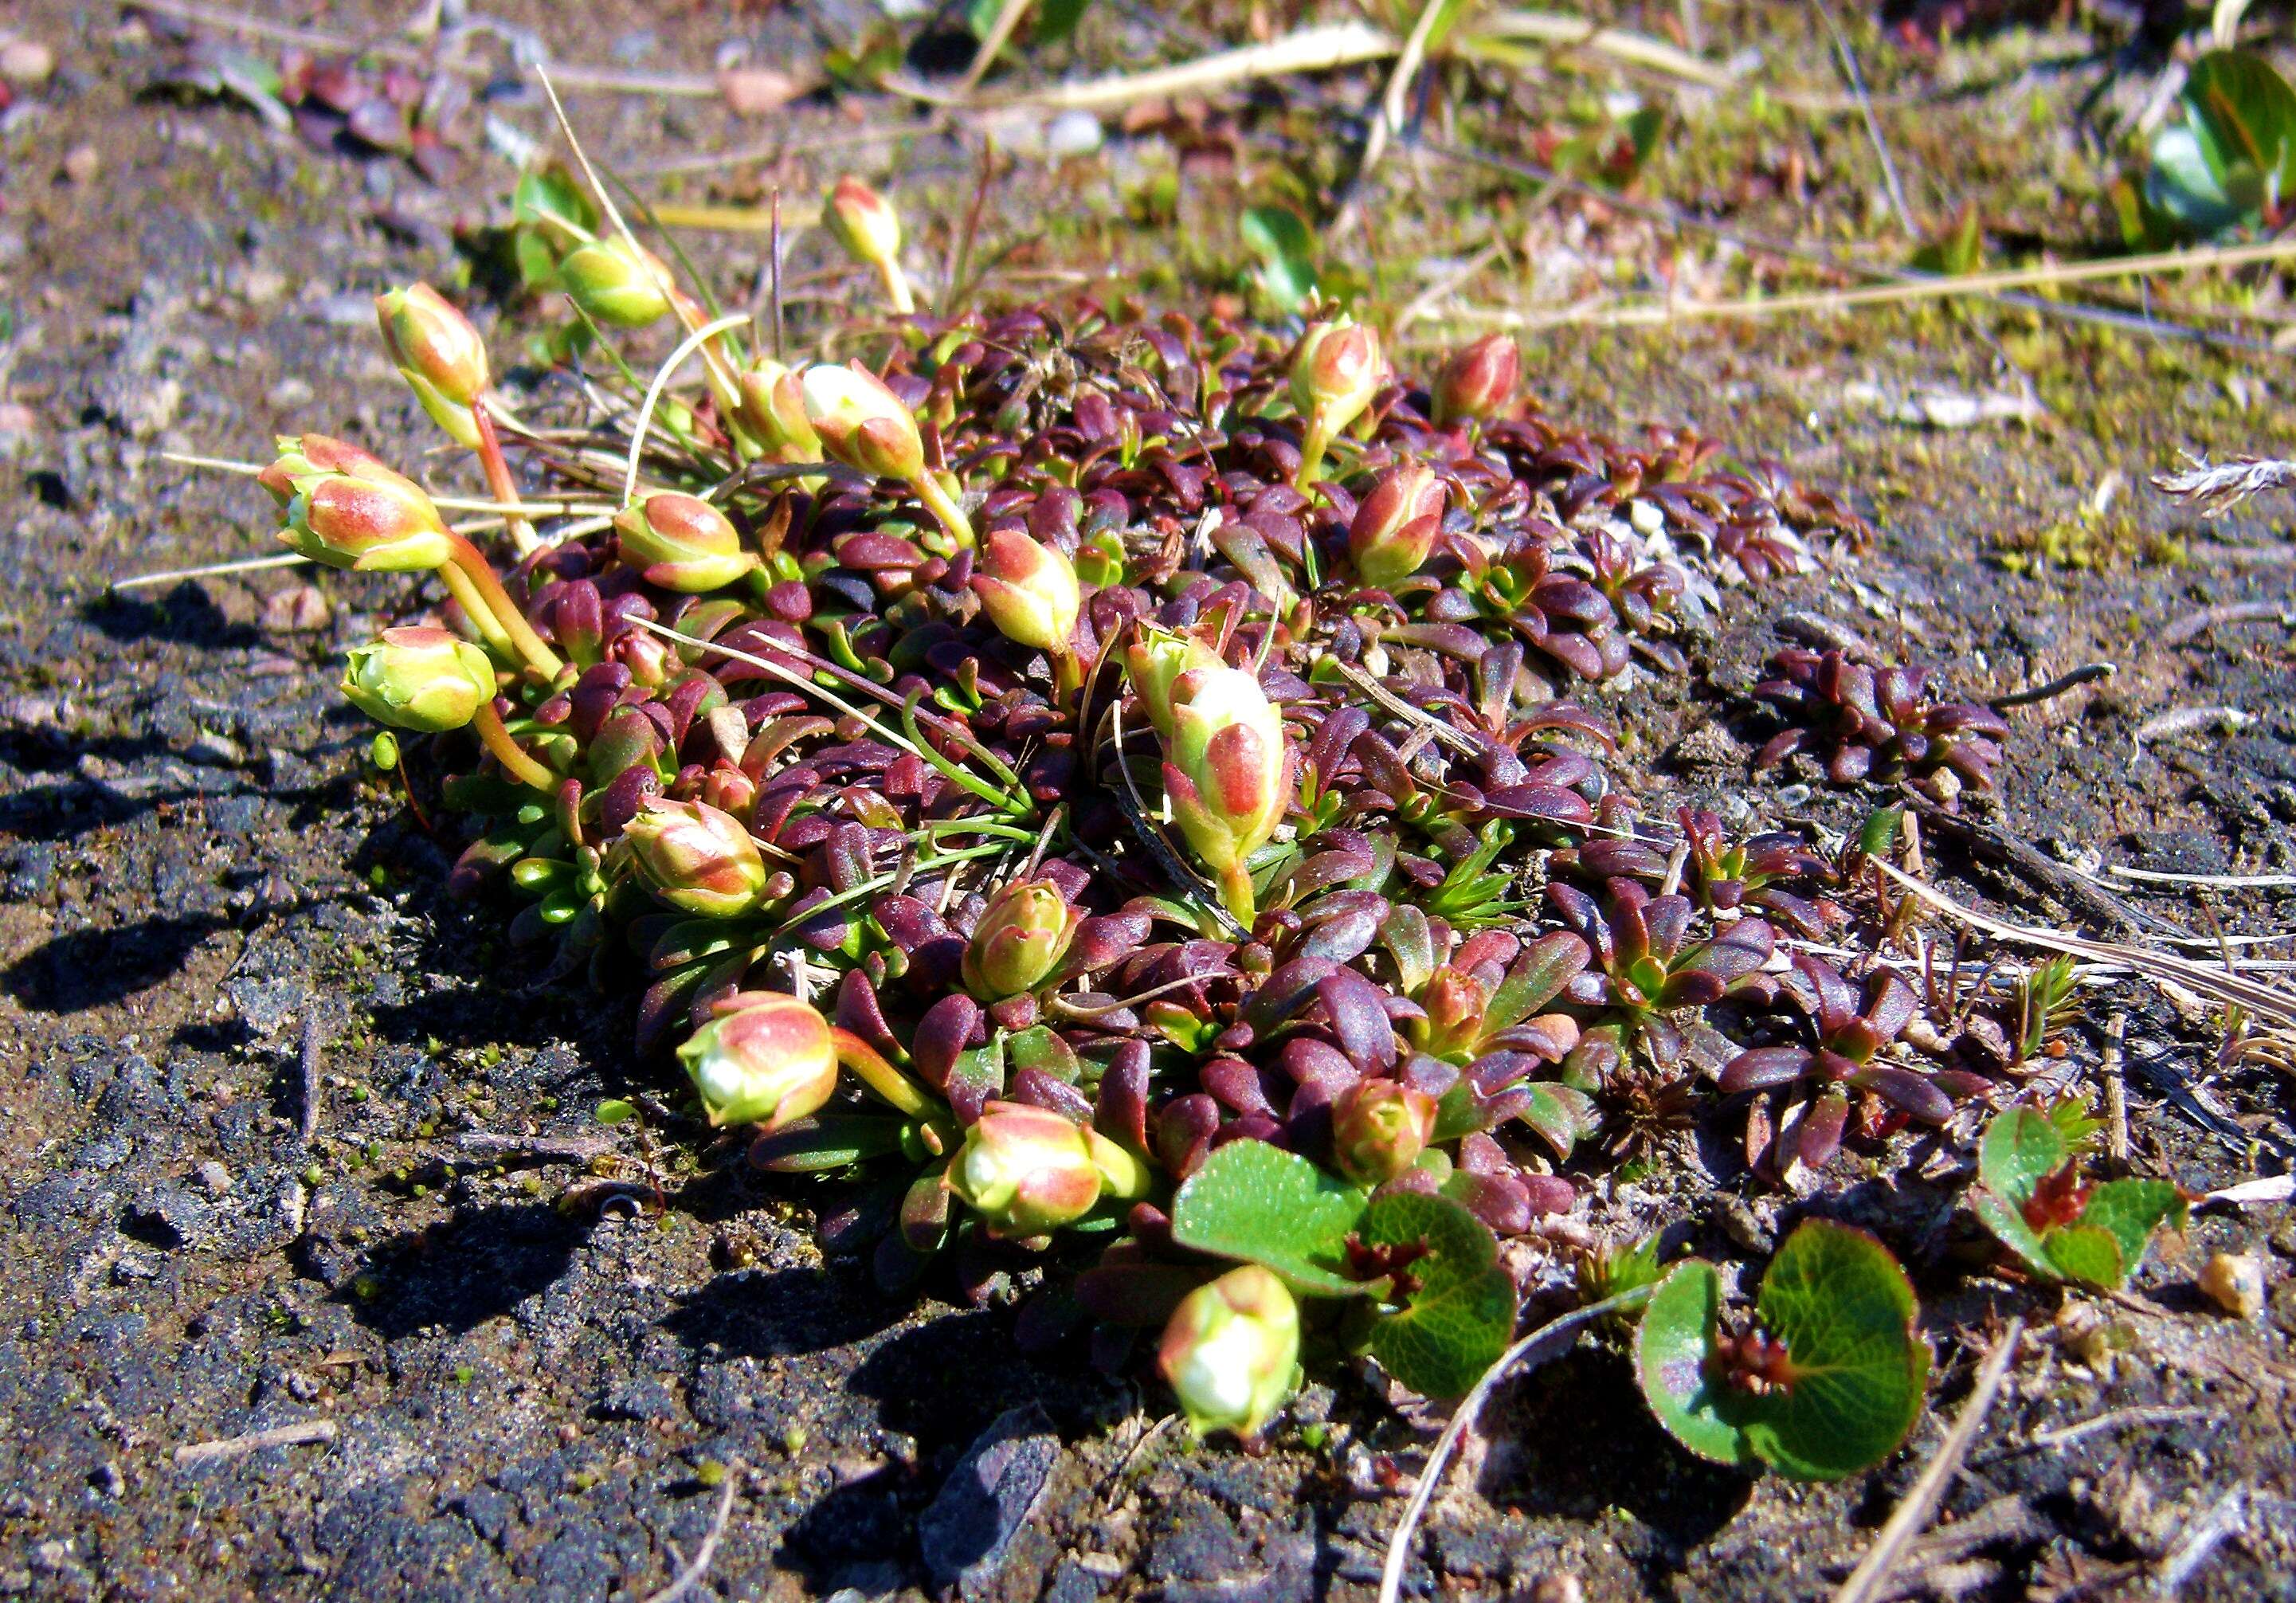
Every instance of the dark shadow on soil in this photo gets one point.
(468, 1269)
(1574, 1438)
(185, 616)
(93, 969)
(779, 1313)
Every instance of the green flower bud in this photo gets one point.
(864, 222)
(773, 411)
(1028, 589)
(1479, 382)
(1396, 525)
(1230, 1353)
(438, 354)
(763, 1058)
(346, 510)
(1154, 661)
(1379, 1129)
(425, 679)
(1336, 372)
(683, 543)
(1026, 1171)
(697, 858)
(1024, 933)
(617, 283)
(861, 423)
(1226, 773)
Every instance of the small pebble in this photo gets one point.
(213, 1178)
(2234, 1284)
(26, 63)
(81, 164)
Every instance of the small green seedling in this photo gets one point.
(1826, 1380)
(1444, 1308)
(2031, 1194)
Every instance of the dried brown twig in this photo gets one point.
(2217, 488)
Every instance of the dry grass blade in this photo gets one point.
(2275, 1003)
(1396, 100)
(1912, 1514)
(1630, 49)
(687, 348)
(1309, 50)
(690, 1575)
(1886, 294)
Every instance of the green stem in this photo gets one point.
(896, 288)
(475, 607)
(1067, 678)
(507, 612)
(1312, 446)
(509, 753)
(944, 507)
(895, 1090)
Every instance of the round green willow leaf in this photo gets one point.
(1672, 1347)
(1458, 1320)
(1845, 1311)
(1264, 1206)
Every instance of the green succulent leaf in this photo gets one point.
(1458, 1320)
(1844, 1310)
(1262, 1205)
(1280, 239)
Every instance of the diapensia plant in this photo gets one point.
(1132, 792)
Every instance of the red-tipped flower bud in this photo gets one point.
(763, 1058)
(861, 423)
(1379, 1129)
(1231, 1353)
(772, 411)
(1026, 1170)
(1029, 590)
(1479, 382)
(419, 678)
(346, 510)
(1154, 661)
(1024, 933)
(682, 542)
(697, 858)
(1336, 372)
(310, 455)
(617, 283)
(1395, 524)
(864, 222)
(1225, 773)
(438, 354)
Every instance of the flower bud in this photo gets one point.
(438, 354)
(864, 222)
(861, 423)
(1029, 590)
(617, 283)
(1396, 524)
(1480, 381)
(763, 1058)
(772, 410)
(1379, 1129)
(1230, 1353)
(697, 858)
(1154, 661)
(1336, 374)
(1026, 1170)
(425, 680)
(1225, 773)
(346, 510)
(1024, 933)
(309, 456)
(683, 543)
